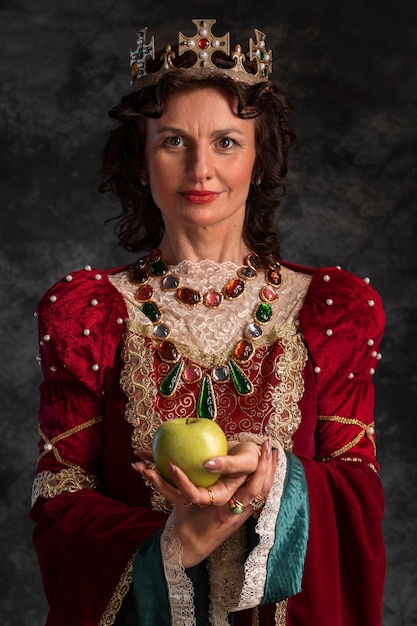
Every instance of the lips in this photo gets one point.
(199, 196)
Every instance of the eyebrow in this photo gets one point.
(181, 131)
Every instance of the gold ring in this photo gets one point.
(257, 504)
(187, 504)
(210, 502)
(236, 507)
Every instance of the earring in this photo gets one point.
(143, 182)
(258, 181)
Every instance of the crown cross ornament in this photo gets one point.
(203, 44)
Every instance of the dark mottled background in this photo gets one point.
(351, 69)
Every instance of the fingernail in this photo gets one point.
(172, 468)
(212, 464)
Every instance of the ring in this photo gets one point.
(210, 502)
(235, 506)
(187, 504)
(257, 504)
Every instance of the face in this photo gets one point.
(200, 157)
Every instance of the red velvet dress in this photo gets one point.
(99, 400)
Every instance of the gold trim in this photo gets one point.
(50, 484)
(123, 586)
(50, 443)
(366, 430)
(281, 613)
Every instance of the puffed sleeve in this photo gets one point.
(342, 322)
(85, 541)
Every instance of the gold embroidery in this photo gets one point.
(282, 414)
(50, 484)
(366, 430)
(286, 420)
(281, 613)
(50, 443)
(355, 459)
(110, 614)
(255, 617)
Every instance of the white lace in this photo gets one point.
(210, 330)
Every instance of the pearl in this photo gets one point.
(203, 55)
(338, 267)
(53, 299)
(351, 375)
(367, 280)
(372, 371)
(370, 430)
(86, 332)
(97, 276)
(68, 278)
(47, 337)
(119, 320)
(329, 301)
(326, 278)
(191, 43)
(94, 302)
(329, 332)
(203, 32)
(88, 268)
(379, 356)
(95, 367)
(35, 314)
(48, 446)
(317, 370)
(215, 43)
(374, 354)
(371, 342)
(371, 303)
(53, 368)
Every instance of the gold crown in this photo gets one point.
(203, 44)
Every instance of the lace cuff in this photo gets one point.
(49, 484)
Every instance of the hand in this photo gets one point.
(235, 468)
(202, 530)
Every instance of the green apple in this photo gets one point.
(189, 443)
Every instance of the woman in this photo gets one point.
(208, 323)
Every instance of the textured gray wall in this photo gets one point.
(351, 70)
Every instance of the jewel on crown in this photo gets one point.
(203, 44)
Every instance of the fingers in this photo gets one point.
(243, 458)
(261, 481)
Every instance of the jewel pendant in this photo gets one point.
(169, 384)
(206, 406)
(242, 384)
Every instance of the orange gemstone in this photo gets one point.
(234, 289)
(144, 293)
(189, 296)
(273, 276)
(243, 351)
(168, 352)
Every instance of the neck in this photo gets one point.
(176, 248)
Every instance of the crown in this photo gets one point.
(203, 45)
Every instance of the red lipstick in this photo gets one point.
(199, 196)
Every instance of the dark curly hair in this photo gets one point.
(140, 223)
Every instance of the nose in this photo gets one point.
(201, 164)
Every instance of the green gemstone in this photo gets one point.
(237, 510)
(169, 384)
(242, 384)
(206, 402)
(158, 268)
(262, 56)
(151, 311)
(263, 313)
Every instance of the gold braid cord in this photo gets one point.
(110, 614)
(366, 430)
(50, 443)
(280, 614)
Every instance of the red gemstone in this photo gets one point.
(234, 288)
(243, 351)
(144, 293)
(268, 294)
(189, 296)
(191, 374)
(168, 352)
(203, 43)
(154, 255)
(273, 276)
(138, 276)
(213, 299)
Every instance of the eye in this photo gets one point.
(174, 141)
(225, 143)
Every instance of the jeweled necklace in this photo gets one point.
(152, 266)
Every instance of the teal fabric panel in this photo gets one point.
(286, 559)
